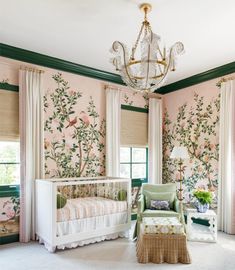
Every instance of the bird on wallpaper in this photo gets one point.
(72, 122)
(84, 118)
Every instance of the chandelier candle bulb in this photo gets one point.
(149, 71)
(164, 53)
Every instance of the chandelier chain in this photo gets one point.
(137, 42)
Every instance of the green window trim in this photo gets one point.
(9, 191)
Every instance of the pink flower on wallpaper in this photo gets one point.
(201, 187)
(194, 118)
(68, 146)
(72, 92)
(92, 155)
(84, 118)
(182, 124)
(200, 169)
(206, 158)
(212, 146)
(177, 176)
(10, 214)
(46, 144)
(197, 152)
(55, 121)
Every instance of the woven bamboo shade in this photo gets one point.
(134, 128)
(9, 115)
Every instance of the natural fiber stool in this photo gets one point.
(161, 247)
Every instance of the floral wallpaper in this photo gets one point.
(134, 98)
(9, 215)
(194, 126)
(76, 147)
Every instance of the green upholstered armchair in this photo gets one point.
(158, 192)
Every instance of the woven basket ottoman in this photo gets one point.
(162, 239)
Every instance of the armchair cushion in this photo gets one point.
(159, 213)
(161, 196)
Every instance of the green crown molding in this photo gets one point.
(199, 78)
(133, 108)
(63, 65)
(9, 87)
(56, 63)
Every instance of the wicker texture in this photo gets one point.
(158, 248)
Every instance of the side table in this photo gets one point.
(199, 232)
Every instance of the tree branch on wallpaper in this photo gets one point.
(78, 135)
(195, 127)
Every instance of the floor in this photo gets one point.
(115, 254)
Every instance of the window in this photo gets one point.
(9, 163)
(134, 163)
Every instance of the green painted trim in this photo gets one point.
(9, 191)
(134, 109)
(199, 221)
(9, 239)
(63, 65)
(198, 78)
(136, 183)
(56, 63)
(133, 216)
(9, 87)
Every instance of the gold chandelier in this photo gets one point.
(148, 72)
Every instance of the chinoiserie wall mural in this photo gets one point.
(74, 135)
(9, 216)
(193, 121)
(74, 126)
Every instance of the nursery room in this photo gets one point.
(117, 134)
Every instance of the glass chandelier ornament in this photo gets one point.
(148, 72)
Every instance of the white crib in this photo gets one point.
(96, 209)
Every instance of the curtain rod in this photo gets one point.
(150, 95)
(31, 69)
(223, 80)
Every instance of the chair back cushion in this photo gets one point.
(171, 187)
(161, 196)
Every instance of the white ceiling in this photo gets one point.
(82, 31)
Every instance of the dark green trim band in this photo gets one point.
(56, 63)
(199, 78)
(9, 239)
(63, 65)
(133, 216)
(9, 191)
(9, 87)
(136, 183)
(133, 108)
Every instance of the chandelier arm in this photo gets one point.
(158, 48)
(124, 61)
(158, 61)
(167, 67)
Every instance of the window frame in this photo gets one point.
(137, 180)
(10, 188)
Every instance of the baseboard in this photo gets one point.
(9, 239)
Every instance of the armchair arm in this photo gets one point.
(179, 209)
(140, 204)
(177, 205)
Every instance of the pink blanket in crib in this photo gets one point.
(89, 207)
